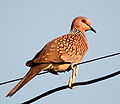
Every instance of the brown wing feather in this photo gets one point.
(70, 48)
(49, 53)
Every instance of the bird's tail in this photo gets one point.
(31, 74)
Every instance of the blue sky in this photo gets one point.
(27, 25)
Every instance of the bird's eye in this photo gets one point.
(83, 20)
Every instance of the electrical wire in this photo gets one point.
(88, 61)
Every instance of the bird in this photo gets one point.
(60, 54)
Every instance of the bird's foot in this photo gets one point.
(74, 74)
(71, 81)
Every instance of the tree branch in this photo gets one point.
(75, 84)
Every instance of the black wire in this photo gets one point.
(92, 60)
(99, 58)
(18, 79)
(75, 84)
(10, 81)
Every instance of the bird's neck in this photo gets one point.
(80, 33)
(76, 31)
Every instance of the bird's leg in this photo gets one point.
(74, 74)
(76, 69)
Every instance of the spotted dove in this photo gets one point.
(60, 54)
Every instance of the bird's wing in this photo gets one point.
(59, 50)
(49, 53)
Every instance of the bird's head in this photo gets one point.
(82, 24)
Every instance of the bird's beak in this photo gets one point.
(92, 29)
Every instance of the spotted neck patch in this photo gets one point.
(75, 31)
